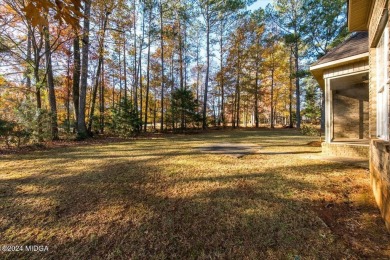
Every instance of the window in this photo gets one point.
(382, 56)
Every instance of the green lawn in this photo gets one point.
(164, 198)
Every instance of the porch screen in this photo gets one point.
(382, 86)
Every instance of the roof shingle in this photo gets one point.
(355, 45)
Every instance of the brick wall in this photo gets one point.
(372, 94)
(366, 120)
(380, 176)
(379, 149)
(345, 150)
(374, 23)
(350, 121)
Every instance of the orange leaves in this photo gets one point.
(69, 11)
(2, 80)
(65, 11)
(34, 13)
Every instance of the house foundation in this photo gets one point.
(380, 176)
(347, 149)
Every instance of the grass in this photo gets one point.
(164, 198)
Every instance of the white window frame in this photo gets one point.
(382, 94)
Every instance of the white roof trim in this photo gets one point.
(340, 62)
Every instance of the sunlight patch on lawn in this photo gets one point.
(163, 198)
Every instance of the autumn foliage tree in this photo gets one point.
(74, 64)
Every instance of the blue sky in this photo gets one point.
(260, 3)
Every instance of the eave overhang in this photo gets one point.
(358, 14)
(318, 70)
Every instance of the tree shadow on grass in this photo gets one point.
(289, 153)
(132, 209)
(264, 138)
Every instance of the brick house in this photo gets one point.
(355, 77)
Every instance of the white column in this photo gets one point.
(328, 112)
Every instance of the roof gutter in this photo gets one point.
(340, 62)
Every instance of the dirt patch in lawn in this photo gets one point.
(315, 143)
(231, 149)
(166, 199)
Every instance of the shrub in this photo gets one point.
(13, 133)
(125, 119)
(310, 130)
(183, 108)
(35, 121)
(6, 128)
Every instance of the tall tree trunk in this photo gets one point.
(97, 77)
(297, 90)
(272, 95)
(234, 109)
(37, 61)
(139, 110)
(171, 69)
(162, 66)
(214, 113)
(238, 86)
(113, 91)
(39, 102)
(197, 74)
(120, 79)
(50, 84)
(124, 68)
(206, 85)
(76, 78)
(222, 75)
(238, 102)
(219, 109)
(140, 67)
(155, 113)
(82, 130)
(37, 47)
(148, 73)
(185, 54)
(275, 108)
(68, 90)
(94, 95)
(291, 124)
(38, 92)
(181, 68)
(102, 87)
(181, 58)
(135, 91)
(39, 108)
(257, 91)
(29, 61)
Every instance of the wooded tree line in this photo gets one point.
(127, 66)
